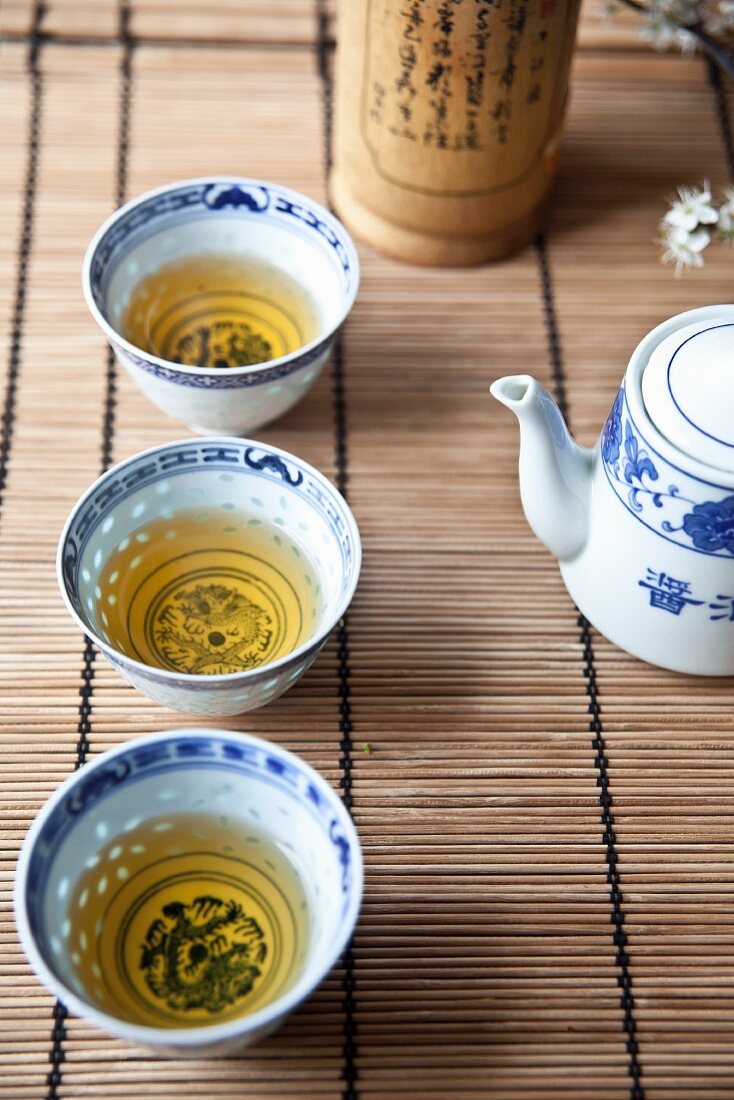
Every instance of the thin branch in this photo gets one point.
(714, 49)
(717, 51)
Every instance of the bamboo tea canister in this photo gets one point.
(448, 122)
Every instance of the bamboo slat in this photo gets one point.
(16, 17)
(484, 961)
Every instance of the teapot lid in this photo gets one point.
(688, 391)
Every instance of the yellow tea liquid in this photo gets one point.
(220, 310)
(208, 591)
(186, 920)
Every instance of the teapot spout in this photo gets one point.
(555, 473)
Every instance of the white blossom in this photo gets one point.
(720, 19)
(685, 12)
(661, 33)
(664, 23)
(684, 248)
(692, 209)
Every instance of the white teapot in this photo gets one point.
(643, 524)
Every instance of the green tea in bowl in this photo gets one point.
(187, 920)
(220, 310)
(208, 592)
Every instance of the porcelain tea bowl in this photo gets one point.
(193, 770)
(222, 214)
(221, 475)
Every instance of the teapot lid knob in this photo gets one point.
(688, 391)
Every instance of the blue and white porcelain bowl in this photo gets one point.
(220, 475)
(194, 770)
(222, 214)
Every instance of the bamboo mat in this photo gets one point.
(285, 21)
(497, 956)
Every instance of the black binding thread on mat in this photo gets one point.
(17, 324)
(108, 416)
(349, 985)
(86, 691)
(616, 898)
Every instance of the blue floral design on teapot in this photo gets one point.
(710, 526)
(704, 525)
